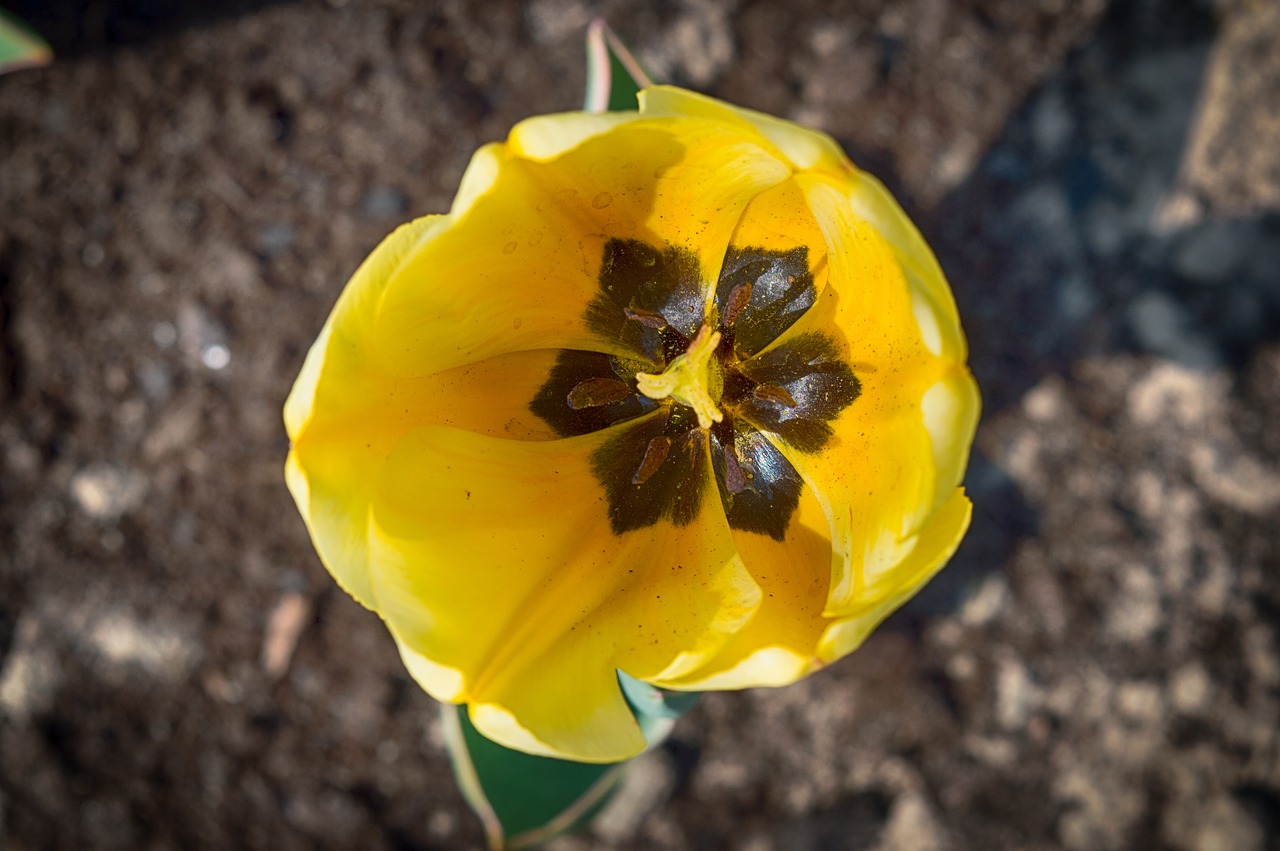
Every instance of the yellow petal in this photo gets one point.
(879, 480)
(950, 408)
(545, 137)
(779, 219)
(933, 301)
(527, 603)
(935, 544)
(802, 148)
(336, 385)
(520, 262)
(436, 496)
(780, 643)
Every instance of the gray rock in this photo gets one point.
(1233, 160)
(1163, 326)
(105, 492)
(1210, 254)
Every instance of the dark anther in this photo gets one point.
(654, 454)
(775, 394)
(737, 301)
(555, 401)
(734, 482)
(647, 318)
(595, 392)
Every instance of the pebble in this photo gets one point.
(106, 492)
(986, 604)
(1140, 701)
(1163, 326)
(383, 201)
(276, 238)
(912, 826)
(161, 650)
(1189, 688)
(1211, 253)
(30, 675)
(1052, 123)
(1228, 827)
(1015, 694)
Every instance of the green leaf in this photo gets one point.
(614, 75)
(652, 704)
(19, 46)
(524, 800)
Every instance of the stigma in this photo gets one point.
(688, 379)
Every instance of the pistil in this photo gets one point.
(687, 378)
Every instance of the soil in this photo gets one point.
(185, 193)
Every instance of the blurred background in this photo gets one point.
(184, 191)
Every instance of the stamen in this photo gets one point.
(685, 378)
(654, 454)
(733, 479)
(738, 299)
(774, 393)
(647, 318)
(595, 392)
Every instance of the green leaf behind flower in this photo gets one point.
(524, 800)
(19, 46)
(614, 75)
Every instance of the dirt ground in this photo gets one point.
(183, 195)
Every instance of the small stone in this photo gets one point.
(164, 334)
(1163, 326)
(1106, 228)
(1097, 808)
(276, 238)
(1076, 298)
(1231, 156)
(199, 334)
(1189, 688)
(1135, 613)
(30, 675)
(1015, 694)
(155, 381)
(1228, 827)
(912, 826)
(1045, 402)
(1052, 123)
(383, 201)
(1140, 701)
(991, 598)
(160, 650)
(441, 824)
(216, 357)
(105, 492)
(1212, 253)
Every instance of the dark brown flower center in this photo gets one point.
(651, 303)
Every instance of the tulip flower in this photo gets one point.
(677, 392)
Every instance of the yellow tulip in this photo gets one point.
(677, 392)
